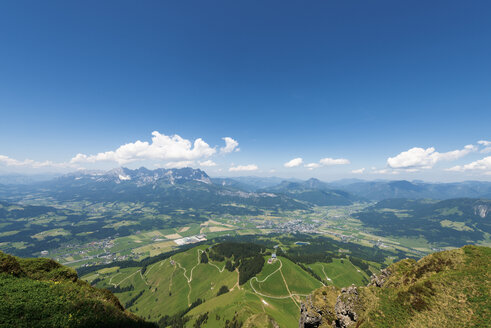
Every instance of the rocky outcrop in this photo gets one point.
(379, 280)
(346, 308)
(431, 292)
(310, 316)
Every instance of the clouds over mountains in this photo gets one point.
(162, 147)
(174, 151)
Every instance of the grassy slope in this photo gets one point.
(247, 304)
(342, 274)
(166, 289)
(42, 293)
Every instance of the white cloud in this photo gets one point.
(384, 171)
(479, 165)
(312, 166)
(240, 168)
(208, 163)
(162, 147)
(294, 162)
(230, 146)
(178, 164)
(487, 146)
(327, 162)
(334, 161)
(416, 157)
(29, 163)
(359, 171)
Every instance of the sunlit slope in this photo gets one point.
(186, 286)
(169, 286)
(340, 273)
(43, 293)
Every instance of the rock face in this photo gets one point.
(379, 281)
(310, 316)
(346, 307)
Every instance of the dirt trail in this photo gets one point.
(288, 289)
(119, 283)
(271, 296)
(237, 283)
(190, 278)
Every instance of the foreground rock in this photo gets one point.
(446, 289)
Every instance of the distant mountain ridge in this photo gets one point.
(124, 182)
(140, 177)
(450, 222)
(169, 188)
(314, 191)
(379, 190)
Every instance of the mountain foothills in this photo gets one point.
(446, 289)
(177, 248)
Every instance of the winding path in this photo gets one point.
(291, 295)
(131, 275)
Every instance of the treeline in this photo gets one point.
(180, 319)
(236, 250)
(361, 264)
(250, 267)
(248, 257)
(296, 260)
(133, 299)
(312, 273)
(118, 289)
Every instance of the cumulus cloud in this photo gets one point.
(241, 168)
(359, 171)
(162, 147)
(29, 163)
(479, 165)
(327, 162)
(420, 158)
(230, 146)
(294, 162)
(208, 163)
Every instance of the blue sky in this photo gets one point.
(359, 81)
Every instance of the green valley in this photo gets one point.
(187, 284)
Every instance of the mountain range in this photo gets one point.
(188, 187)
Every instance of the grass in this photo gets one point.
(341, 272)
(299, 281)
